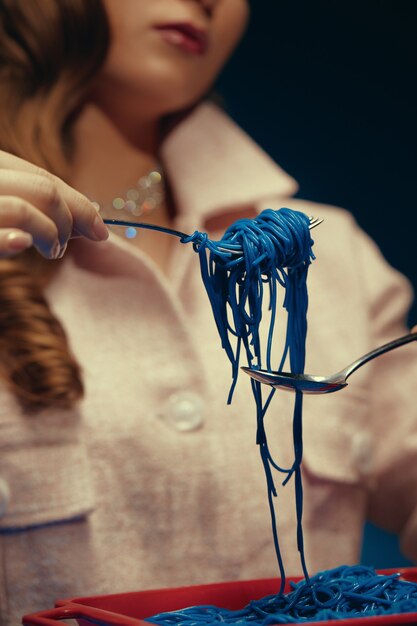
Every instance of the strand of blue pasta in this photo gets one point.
(296, 303)
(297, 296)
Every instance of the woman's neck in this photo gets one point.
(106, 165)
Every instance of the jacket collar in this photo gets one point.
(214, 166)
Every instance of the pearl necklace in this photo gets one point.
(145, 197)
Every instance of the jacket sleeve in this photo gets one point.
(44, 474)
(393, 453)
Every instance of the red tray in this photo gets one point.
(129, 609)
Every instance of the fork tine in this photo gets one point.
(315, 221)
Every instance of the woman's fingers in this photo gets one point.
(17, 213)
(40, 193)
(57, 195)
(13, 241)
(86, 220)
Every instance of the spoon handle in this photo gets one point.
(347, 371)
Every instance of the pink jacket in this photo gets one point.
(154, 481)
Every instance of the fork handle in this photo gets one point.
(162, 229)
(396, 343)
(227, 247)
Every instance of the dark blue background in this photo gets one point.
(327, 88)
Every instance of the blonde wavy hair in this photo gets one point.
(49, 52)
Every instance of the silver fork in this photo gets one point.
(230, 248)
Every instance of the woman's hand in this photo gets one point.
(39, 209)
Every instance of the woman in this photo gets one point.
(121, 466)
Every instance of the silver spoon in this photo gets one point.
(323, 384)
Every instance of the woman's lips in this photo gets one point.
(185, 36)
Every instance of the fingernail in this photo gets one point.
(19, 241)
(100, 229)
(56, 250)
(62, 252)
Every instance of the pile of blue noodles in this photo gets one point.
(342, 593)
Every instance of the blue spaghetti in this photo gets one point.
(276, 252)
(341, 593)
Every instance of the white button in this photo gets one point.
(4, 497)
(185, 411)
